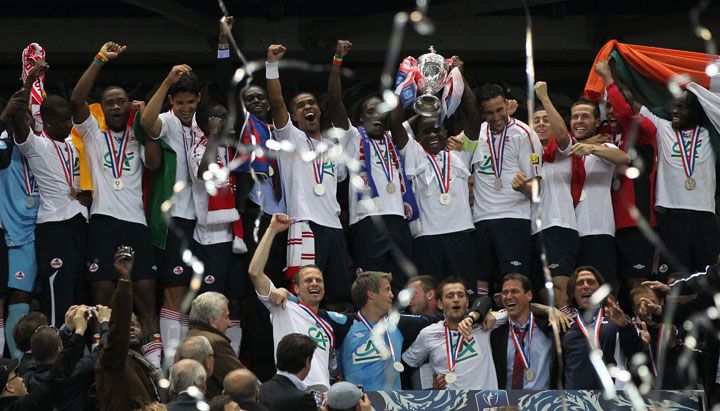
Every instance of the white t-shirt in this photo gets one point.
(436, 218)
(594, 213)
(125, 204)
(555, 195)
(385, 203)
(180, 138)
(294, 319)
(671, 192)
(475, 368)
(205, 233)
(520, 143)
(298, 178)
(50, 161)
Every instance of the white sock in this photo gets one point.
(152, 351)
(184, 325)
(2, 337)
(171, 331)
(234, 333)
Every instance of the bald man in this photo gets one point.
(244, 388)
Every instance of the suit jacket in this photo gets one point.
(183, 402)
(225, 358)
(499, 338)
(280, 394)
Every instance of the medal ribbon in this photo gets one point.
(28, 178)
(317, 162)
(523, 353)
(452, 353)
(655, 357)
(598, 323)
(192, 138)
(442, 175)
(385, 161)
(365, 322)
(117, 160)
(66, 163)
(688, 156)
(327, 328)
(497, 155)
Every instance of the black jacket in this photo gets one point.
(46, 395)
(499, 340)
(183, 402)
(280, 394)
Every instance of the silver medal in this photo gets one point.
(398, 366)
(445, 199)
(690, 183)
(529, 374)
(319, 189)
(117, 184)
(390, 188)
(450, 377)
(30, 202)
(498, 183)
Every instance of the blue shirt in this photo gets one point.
(18, 220)
(540, 353)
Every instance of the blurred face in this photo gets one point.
(16, 384)
(116, 108)
(420, 299)
(371, 119)
(222, 323)
(184, 105)
(640, 305)
(311, 288)
(136, 334)
(585, 286)
(306, 112)
(612, 120)
(453, 301)
(681, 118)
(430, 135)
(495, 113)
(256, 101)
(541, 125)
(515, 299)
(383, 298)
(583, 122)
(58, 125)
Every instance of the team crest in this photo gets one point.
(93, 267)
(56, 263)
(19, 275)
(178, 270)
(209, 279)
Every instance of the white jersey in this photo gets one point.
(671, 191)
(294, 319)
(436, 218)
(594, 212)
(475, 368)
(300, 180)
(386, 203)
(555, 195)
(102, 150)
(54, 163)
(180, 138)
(205, 233)
(495, 200)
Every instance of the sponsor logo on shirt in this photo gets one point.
(485, 167)
(329, 168)
(469, 350)
(366, 353)
(318, 335)
(676, 148)
(129, 157)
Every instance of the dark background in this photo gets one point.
(488, 35)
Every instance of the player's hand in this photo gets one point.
(616, 314)
(454, 143)
(518, 181)
(602, 68)
(465, 328)
(342, 48)
(439, 381)
(279, 297)
(512, 106)
(582, 149)
(176, 73)
(225, 28)
(276, 52)
(123, 262)
(541, 90)
(489, 322)
(103, 313)
(280, 222)
(658, 286)
(456, 61)
(112, 50)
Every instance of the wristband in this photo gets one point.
(271, 70)
(101, 58)
(337, 60)
(471, 317)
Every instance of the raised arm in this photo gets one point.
(15, 114)
(336, 108)
(397, 117)
(557, 124)
(114, 355)
(473, 117)
(256, 270)
(611, 154)
(280, 113)
(80, 111)
(149, 120)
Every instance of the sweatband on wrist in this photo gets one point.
(101, 58)
(337, 60)
(271, 70)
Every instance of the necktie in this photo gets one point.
(518, 367)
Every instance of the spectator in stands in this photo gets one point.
(286, 389)
(243, 387)
(187, 383)
(209, 317)
(197, 348)
(22, 334)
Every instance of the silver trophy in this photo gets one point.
(433, 70)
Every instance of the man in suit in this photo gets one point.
(285, 390)
(523, 350)
(243, 388)
(210, 317)
(187, 382)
